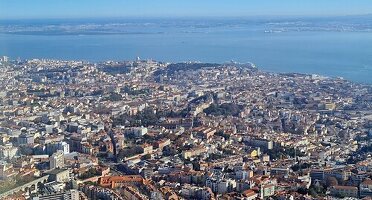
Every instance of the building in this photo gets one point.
(57, 160)
(265, 158)
(8, 151)
(5, 170)
(267, 190)
(323, 174)
(205, 133)
(130, 193)
(220, 186)
(76, 143)
(59, 175)
(365, 188)
(93, 192)
(174, 123)
(329, 106)
(280, 171)
(243, 175)
(194, 152)
(4, 59)
(317, 175)
(344, 191)
(250, 194)
(162, 143)
(67, 195)
(25, 138)
(146, 148)
(117, 181)
(53, 147)
(72, 127)
(136, 131)
(262, 143)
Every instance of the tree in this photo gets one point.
(302, 190)
(147, 117)
(114, 97)
(146, 157)
(129, 152)
(223, 134)
(226, 109)
(295, 167)
(331, 181)
(312, 192)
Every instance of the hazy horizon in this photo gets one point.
(247, 17)
(325, 37)
(23, 9)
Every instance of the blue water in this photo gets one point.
(330, 53)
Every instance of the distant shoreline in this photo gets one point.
(246, 64)
(334, 47)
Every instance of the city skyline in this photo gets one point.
(185, 99)
(22, 9)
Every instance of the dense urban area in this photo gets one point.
(153, 130)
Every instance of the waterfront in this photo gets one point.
(329, 53)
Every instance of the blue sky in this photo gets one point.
(13, 9)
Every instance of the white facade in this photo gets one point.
(8, 151)
(137, 131)
(57, 160)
